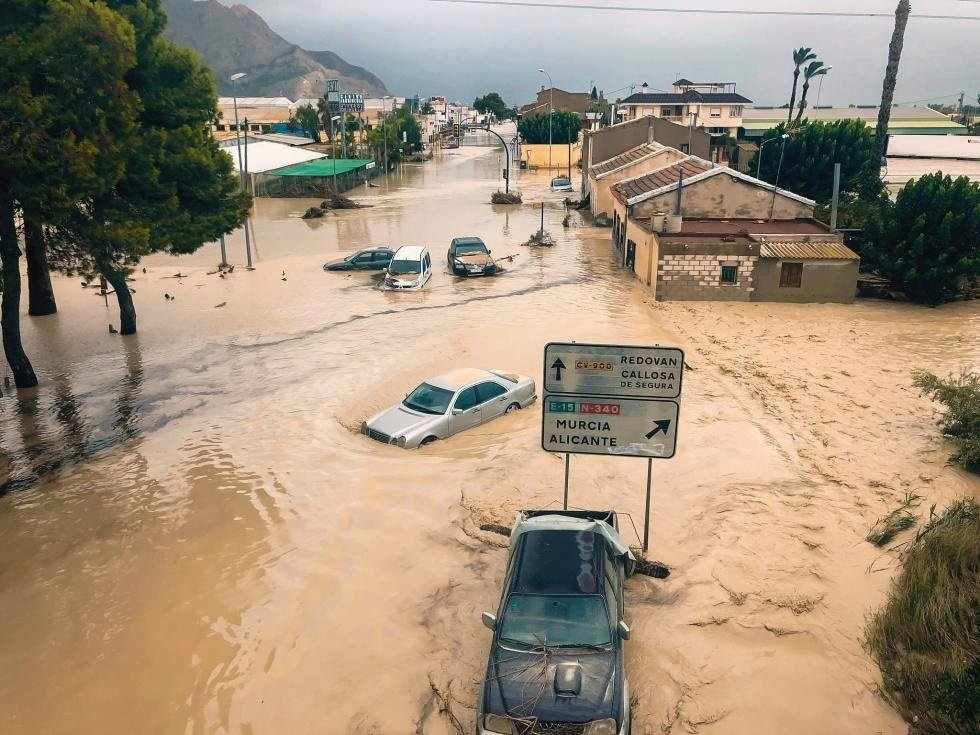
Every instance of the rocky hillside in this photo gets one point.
(234, 38)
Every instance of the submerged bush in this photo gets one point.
(961, 422)
(926, 639)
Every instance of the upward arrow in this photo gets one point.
(663, 426)
(558, 366)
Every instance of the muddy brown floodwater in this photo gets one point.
(195, 539)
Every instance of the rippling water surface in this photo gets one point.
(196, 539)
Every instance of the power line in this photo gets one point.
(701, 11)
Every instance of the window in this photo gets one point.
(714, 111)
(736, 111)
(612, 605)
(791, 275)
(467, 399)
(729, 274)
(429, 399)
(427, 261)
(363, 259)
(685, 148)
(488, 391)
(380, 256)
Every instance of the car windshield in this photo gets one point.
(564, 620)
(561, 182)
(429, 399)
(470, 247)
(398, 267)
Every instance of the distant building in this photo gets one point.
(903, 120)
(714, 106)
(577, 102)
(912, 156)
(695, 230)
(259, 113)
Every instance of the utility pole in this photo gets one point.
(551, 112)
(775, 187)
(835, 200)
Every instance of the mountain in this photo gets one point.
(234, 39)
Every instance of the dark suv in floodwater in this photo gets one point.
(556, 659)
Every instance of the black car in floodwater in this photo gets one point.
(371, 259)
(556, 659)
(470, 256)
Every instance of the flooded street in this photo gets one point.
(196, 538)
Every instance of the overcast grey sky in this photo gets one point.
(462, 51)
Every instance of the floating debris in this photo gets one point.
(499, 197)
(313, 213)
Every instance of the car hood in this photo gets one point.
(400, 419)
(480, 260)
(524, 684)
(336, 263)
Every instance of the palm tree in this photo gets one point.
(891, 75)
(800, 56)
(813, 70)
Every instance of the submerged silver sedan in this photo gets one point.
(448, 404)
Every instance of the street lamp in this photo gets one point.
(758, 168)
(779, 168)
(241, 168)
(551, 112)
(333, 150)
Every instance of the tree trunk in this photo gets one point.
(806, 90)
(127, 310)
(13, 347)
(891, 75)
(792, 97)
(40, 294)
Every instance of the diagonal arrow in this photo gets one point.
(663, 426)
(558, 366)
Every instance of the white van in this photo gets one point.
(410, 268)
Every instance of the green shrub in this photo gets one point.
(961, 422)
(926, 241)
(926, 639)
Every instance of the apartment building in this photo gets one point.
(714, 106)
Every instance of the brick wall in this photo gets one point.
(698, 278)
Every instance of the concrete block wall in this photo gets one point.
(698, 278)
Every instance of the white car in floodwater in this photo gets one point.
(409, 270)
(450, 403)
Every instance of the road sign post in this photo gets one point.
(613, 400)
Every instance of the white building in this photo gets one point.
(714, 106)
(912, 156)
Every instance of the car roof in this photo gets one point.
(559, 562)
(456, 379)
(409, 252)
(375, 249)
(467, 241)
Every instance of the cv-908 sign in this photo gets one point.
(613, 370)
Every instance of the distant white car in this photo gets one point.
(450, 403)
(410, 269)
(562, 183)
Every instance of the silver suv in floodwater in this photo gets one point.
(450, 403)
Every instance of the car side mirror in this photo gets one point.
(489, 620)
(624, 630)
(457, 411)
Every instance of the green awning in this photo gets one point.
(325, 167)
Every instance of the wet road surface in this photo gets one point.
(196, 539)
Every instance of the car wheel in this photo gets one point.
(513, 407)
(427, 440)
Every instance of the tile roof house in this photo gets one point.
(694, 230)
(636, 161)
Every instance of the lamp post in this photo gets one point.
(758, 168)
(333, 150)
(241, 168)
(551, 112)
(779, 168)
